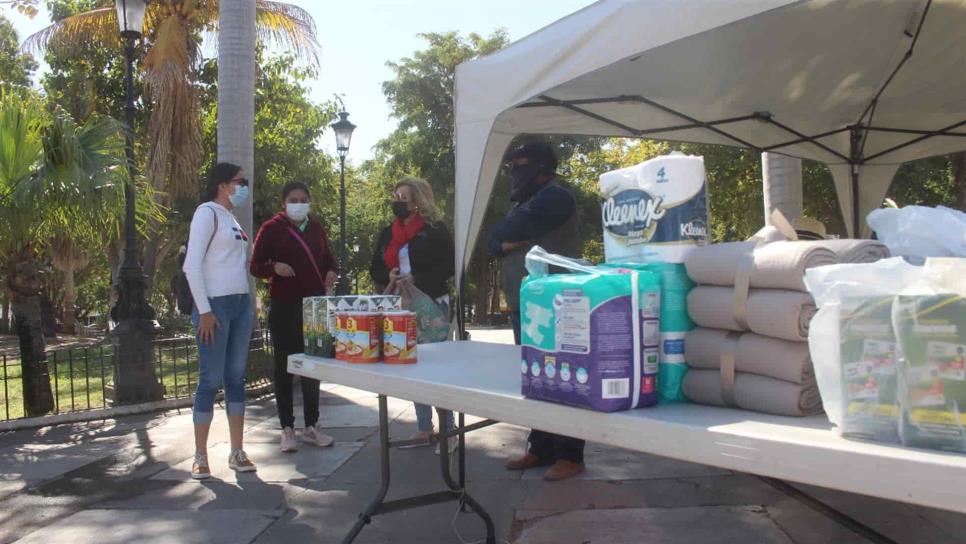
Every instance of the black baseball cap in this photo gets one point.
(536, 152)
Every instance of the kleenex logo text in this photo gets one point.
(631, 210)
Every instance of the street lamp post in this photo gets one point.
(343, 135)
(134, 378)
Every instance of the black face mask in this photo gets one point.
(524, 181)
(400, 209)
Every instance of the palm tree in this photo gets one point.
(236, 91)
(173, 30)
(55, 176)
(781, 177)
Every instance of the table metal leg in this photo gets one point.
(462, 456)
(366, 516)
(465, 497)
(455, 490)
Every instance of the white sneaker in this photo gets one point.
(452, 443)
(199, 468)
(288, 440)
(239, 462)
(312, 435)
(419, 435)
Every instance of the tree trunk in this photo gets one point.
(47, 320)
(236, 92)
(25, 280)
(493, 287)
(482, 276)
(236, 99)
(114, 265)
(151, 261)
(70, 299)
(38, 398)
(959, 179)
(782, 182)
(4, 315)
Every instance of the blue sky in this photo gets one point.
(359, 36)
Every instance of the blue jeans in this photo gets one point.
(424, 413)
(424, 418)
(223, 360)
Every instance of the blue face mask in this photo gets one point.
(239, 196)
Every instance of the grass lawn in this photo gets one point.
(79, 375)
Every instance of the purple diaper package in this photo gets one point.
(591, 340)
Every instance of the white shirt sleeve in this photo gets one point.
(202, 228)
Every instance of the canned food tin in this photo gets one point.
(340, 322)
(363, 337)
(399, 337)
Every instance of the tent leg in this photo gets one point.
(855, 144)
(460, 310)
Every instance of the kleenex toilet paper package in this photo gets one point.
(656, 211)
(591, 340)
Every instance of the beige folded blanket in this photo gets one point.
(774, 313)
(753, 354)
(754, 392)
(774, 265)
(851, 251)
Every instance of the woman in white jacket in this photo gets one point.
(216, 266)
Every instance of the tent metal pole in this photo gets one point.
(460, 316)
(855, 144)
(804, 139)
(940, 132)
(630, 130)
(690, 119)
(916, 132)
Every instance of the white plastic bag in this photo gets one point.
(831, 286)
(868, 353)
(920, 232)
(539, 260)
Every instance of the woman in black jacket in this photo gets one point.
(416, 247)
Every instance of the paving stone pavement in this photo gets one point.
(126, 480)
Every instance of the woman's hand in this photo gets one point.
(283, 270)
(207, 323)
(330, 280)
(513, 246)
(395, 276)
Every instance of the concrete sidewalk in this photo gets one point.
(126, 480)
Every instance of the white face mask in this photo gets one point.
(297, 211)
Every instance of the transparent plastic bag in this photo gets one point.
(432, 323)
(852, 300)
(921, 232)
(539, 262)
(888, 346)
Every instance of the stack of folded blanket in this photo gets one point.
(750, 349)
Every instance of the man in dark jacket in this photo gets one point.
(544, 214)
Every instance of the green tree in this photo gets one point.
(288, 129)
(420, 97)
(170, 55)
(16, 67)
(55, 176)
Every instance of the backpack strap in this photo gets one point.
(214, 214)
(308, 251)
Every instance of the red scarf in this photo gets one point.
(402, 233)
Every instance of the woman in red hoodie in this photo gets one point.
(292, 252)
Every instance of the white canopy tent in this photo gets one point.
(860, 85)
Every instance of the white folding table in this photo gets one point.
(483, 379)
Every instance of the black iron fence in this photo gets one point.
(81, 377)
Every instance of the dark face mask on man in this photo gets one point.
(524, 181)
(400, 209)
